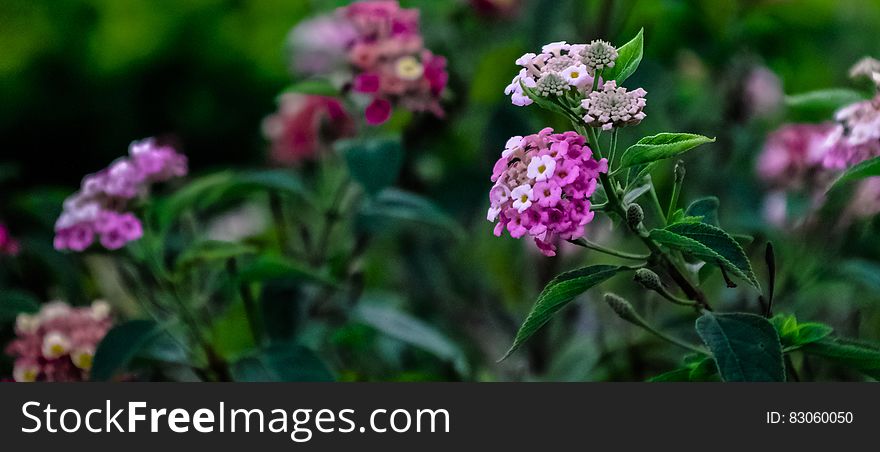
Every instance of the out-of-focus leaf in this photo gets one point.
(857, 355)
(628, 59)
(393, 207)
(866, 272)
(15, 302)
(824, 101)
(707, 208)
(710, 244)
(120, 345)
(281, 301)
(269, 267)
(661, 146)
(404, 327)
(211, 250)
(198, 192)
(281, 362)
(557, 294)
(314, 87)
(868, 168)
(745, 346)
(374, 163)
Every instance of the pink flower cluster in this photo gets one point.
(857, 135)
(97, 209)
(8, 245)
(59, 342)
(792, 156)
(295, 130)
(390, 60)
(543, 184)
(384, 52)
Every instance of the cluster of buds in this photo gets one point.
(543, 183)
(384, 54)
(570, 71)
(97, 209)
(59, 342)
(297, 130)
(8, 245)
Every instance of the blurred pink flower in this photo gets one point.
(865, 202)
(304, 125)
(793, 154)
(385, 54)
(857, 135)
(762, 92)
(496, 8)
(320, 46)
(8, 245)
(59, 342)
(97, 208)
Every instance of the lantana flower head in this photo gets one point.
(304, 125)
(58, 342)
(614, 106)
(793, 154)
(543, 183)
(97, 210)
(386, 58)
(598, 55)
(857, 135)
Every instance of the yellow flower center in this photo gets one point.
(409, 68)
(57, 349)
(575, 74)
(542, 168)
(83, 361)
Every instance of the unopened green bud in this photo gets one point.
(622, 308)
(648, 279)
(679, 171)
(634, 215)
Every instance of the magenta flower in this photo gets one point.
(8, 245)
(543, 184)
(305, 125)
(857, 135)
(59, 342)
(792, 156)
(96, 210)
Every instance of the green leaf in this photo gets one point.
(314, 87)
(710, 244)
(661, 146)
(634, 194)
(707, 208)
(404, 327)
(680, 374)
(858, 355)
(745, 346)
(15, 302)
(393, 207)
(269, 267)
(374, 163)
(628, 58)
(823, 101)
(794, 335)
(868, 168)
(120, 345)
(547, 103)
(557, 294)
(197, 193)
(211, 250)
(281, 362)
(273, 180)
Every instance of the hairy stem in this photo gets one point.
(616, 205)
(610, 251)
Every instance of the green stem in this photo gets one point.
(617, 207)
(613, 148)
(255, 321)
(674, 299)
(277, 207)
(610, 251)
(671, 339)
(655, 202)
(673, 201)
